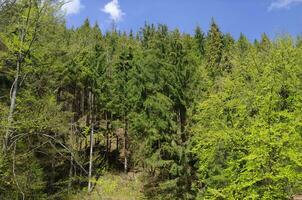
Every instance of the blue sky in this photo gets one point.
(252, 17)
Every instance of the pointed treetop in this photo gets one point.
(265, 42)
(198, 33)
(214, 26)
(97, 28)
(131, 35)
(200, 39)
(86, 23)
(243, 43)
(264, 38)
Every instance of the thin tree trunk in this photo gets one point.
(14, 173)
(52, 178)
(125, 145)
(83, 102)
(91, 143)
(72, 120)
(70, 173)
(107, 145)
(107, 136)
(90, 160)
(12, 107)
(117, 141)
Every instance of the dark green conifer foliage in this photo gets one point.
(264, 44)
(214, 50)
(228, 53)
(200, 40)
(198, 117)
(243, 45)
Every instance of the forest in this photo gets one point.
(196, 116)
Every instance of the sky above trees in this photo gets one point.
(252, 17)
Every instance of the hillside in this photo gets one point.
(88, 113)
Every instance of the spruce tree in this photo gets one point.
(214, 50)
(200, 40)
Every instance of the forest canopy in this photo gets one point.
(198, 116)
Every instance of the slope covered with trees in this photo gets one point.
(200, 116)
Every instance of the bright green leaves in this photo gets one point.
(247, 137)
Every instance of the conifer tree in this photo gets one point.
(243, 45)
(200, 40)
(214, 50)
(199, 117)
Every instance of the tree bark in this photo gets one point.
(91, 143)
(125, 145)
(90, 159)
(107, 136)
(70, 173)
(117, 143)
(71, 141)
(14, 173)
(12, 107)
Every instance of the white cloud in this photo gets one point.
(113, 9)
(72, 6)
(280, 4)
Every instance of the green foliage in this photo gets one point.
(214, 50)
(247, 133)
(201, 116)
(115, 186)
(200, 40)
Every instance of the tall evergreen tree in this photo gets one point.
(214, 50)
(200, 40)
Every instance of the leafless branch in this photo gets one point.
(67, 149)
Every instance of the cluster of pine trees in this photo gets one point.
(202, 117)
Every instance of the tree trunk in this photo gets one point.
(117, 141)
(107, 136)
(12, 106)
(83, 102)
(125, 145)
(70, 174)
(91, 143)
(71, 146)
(90, 159)
(14, 173)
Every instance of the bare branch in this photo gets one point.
(66, 148)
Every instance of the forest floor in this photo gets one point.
(117, 186)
